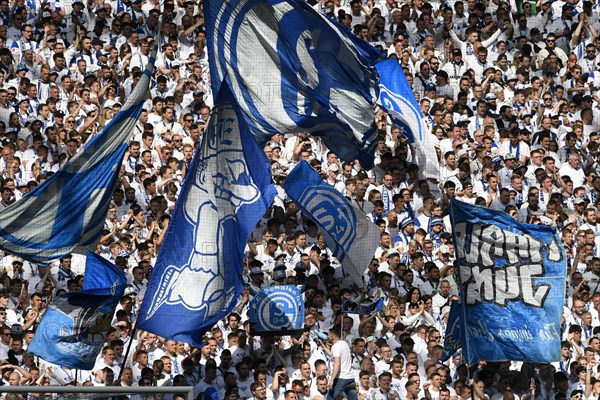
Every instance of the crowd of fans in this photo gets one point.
(508, 89)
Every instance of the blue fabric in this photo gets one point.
(351, 307)
(101, 274)
(277, 308)
(197, 278)
(69, 208)
(453, 334)
(397, 98)
(512, 282)
(73, 330)
(291, 70)
(348, 232)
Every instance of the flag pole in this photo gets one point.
(466, 345)
(126, 354)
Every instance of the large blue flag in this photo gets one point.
(346, 229)
(293, 70)
(398, 99)
(512, 280)
(69, 208)
(198, 274)
(73, 329)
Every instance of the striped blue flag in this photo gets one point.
(69, 208)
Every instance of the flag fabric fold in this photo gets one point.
(398, 100)
(69, 208)
(512, 284)
(73, 330)
(198, 274)
(293, 70)
(350, 235)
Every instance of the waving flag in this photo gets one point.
(398, 99)
(512, 281)
(69, 208)
(347, 231)
(292, 70)
(73, 330)
(350, 307)
(198, 274)
(278, 309)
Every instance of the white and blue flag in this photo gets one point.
(69, 208)
(73, 330)
(397, 98)
(278, 309)
(293, 70)
(198, 274)
(512, 287)
(348, 232)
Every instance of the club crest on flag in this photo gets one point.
(277, 308)
(337, 216)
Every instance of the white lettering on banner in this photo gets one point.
(483, 246)
(480, 329)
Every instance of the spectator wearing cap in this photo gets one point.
(455, 68)
(257, 276)
(436, 228)
(406, 234)
(506, 172)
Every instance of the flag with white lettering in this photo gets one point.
(512, 282)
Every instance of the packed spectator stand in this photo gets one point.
(509, 89)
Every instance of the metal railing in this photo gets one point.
(115, 390)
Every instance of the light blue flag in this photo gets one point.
(198, 274)
(293, 70)
(278, 309)
(346, 229)
(69, 208)
(512, 280)
(73, 330)
(398, 99)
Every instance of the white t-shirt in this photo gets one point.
(342, 350)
